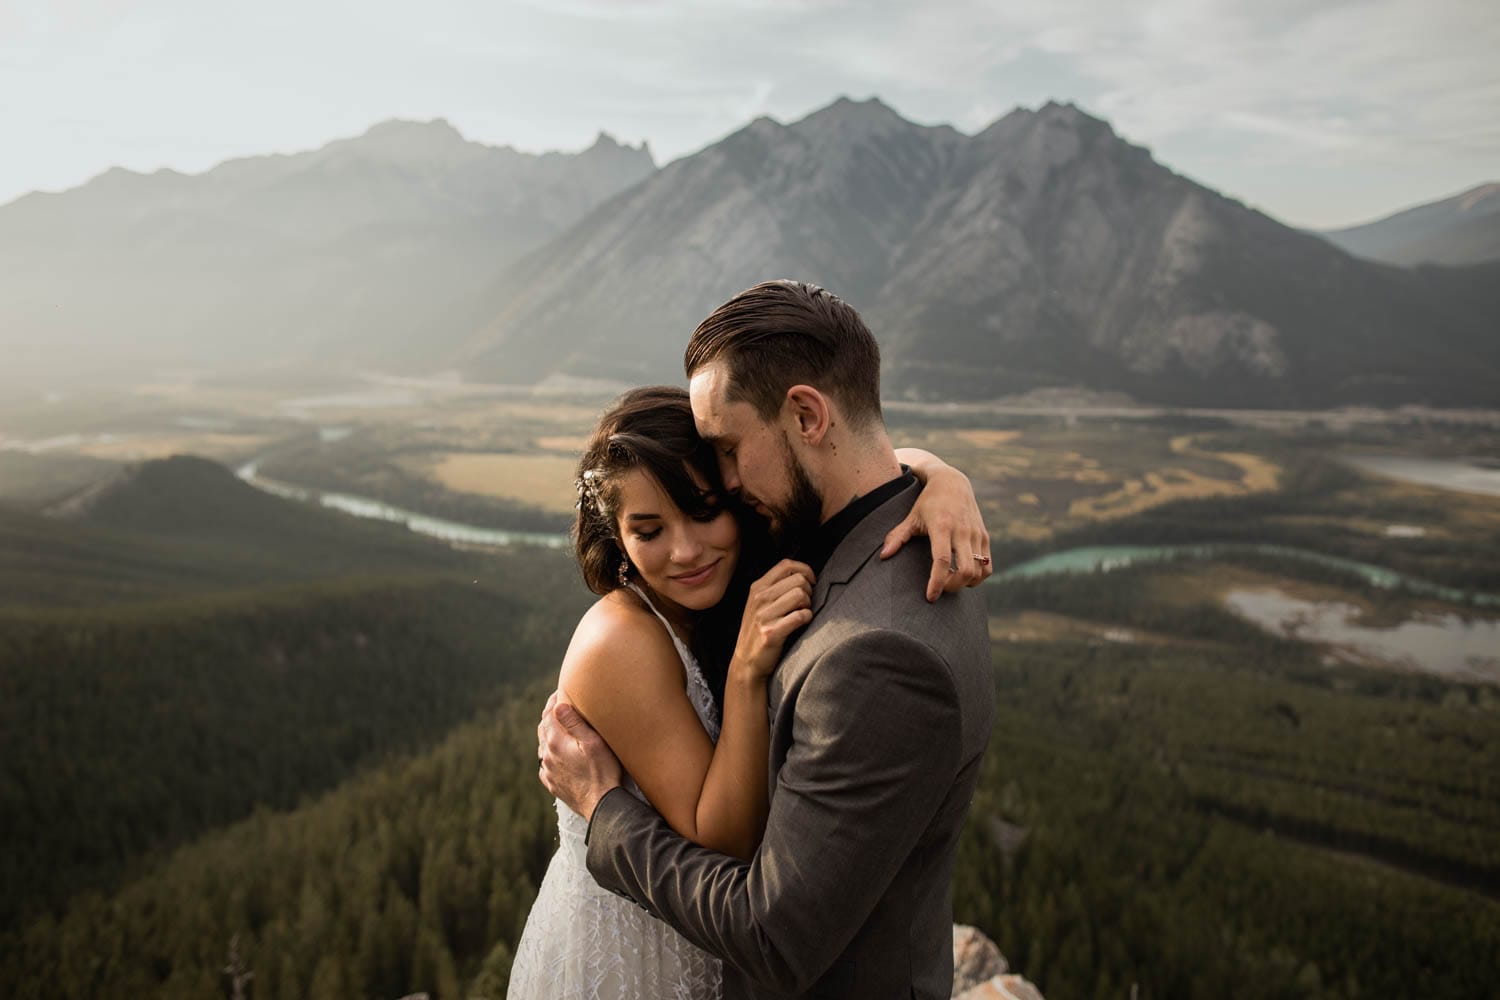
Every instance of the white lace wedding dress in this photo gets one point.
(582, 942)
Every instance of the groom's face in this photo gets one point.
(755, 458)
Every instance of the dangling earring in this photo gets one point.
(624, 570)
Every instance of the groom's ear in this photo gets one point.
(810, 411)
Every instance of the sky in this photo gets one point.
(1320, 114)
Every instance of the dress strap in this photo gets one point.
(697, 686)
(676, 640)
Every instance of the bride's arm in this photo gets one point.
(624, 675)
(947, 512)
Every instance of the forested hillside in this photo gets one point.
(1211, 824)
(185, 526)
(123, 735)
(1104, 849)
(415, 877)
(182, 648)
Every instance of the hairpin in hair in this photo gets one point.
(588, 486)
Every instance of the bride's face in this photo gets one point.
(685, 560)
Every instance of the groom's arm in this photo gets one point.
(875, 747)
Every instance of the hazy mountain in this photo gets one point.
(1463, 229)
(1043, 250)
(352, 252)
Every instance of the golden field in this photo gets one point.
(1037, 481)
(544, 481)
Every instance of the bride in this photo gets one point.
(670, 666)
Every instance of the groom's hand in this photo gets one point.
(577, 766)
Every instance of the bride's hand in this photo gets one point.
(947, 512)
(780, 603)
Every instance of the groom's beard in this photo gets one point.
(793, 523)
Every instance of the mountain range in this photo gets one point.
(1463, 229)
(1041, 251)
(348, 252)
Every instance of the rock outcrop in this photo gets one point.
(980, 972)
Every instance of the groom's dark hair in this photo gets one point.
(785, 333)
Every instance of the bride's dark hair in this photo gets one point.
(651, 428)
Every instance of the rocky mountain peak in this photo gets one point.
(763, 126)
(1068, 117)
(1052, 116)
(847, 113)
(607, 147)
(1457, 230)
(1036, 145)
(123, 179)
(115, 175)
(1483, 199)
(403, 138)
(436, 132)
(847, 123)
(1064, 111)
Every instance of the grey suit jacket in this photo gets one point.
(880, 713)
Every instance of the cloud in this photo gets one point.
(1376, 77)
(1227, 90)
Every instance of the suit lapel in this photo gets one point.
(861, 544)
(858, 548)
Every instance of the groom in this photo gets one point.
(880, 711)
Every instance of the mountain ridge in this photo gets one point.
(1461, 229)
(352, 251)
(380, 131)
(1041, 251)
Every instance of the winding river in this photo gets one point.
(1480, 476)
(1444, 645)
(1102, 559)
(1097, 559)
(452, 532)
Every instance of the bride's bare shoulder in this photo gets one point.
(618, 634)
(618, 614)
